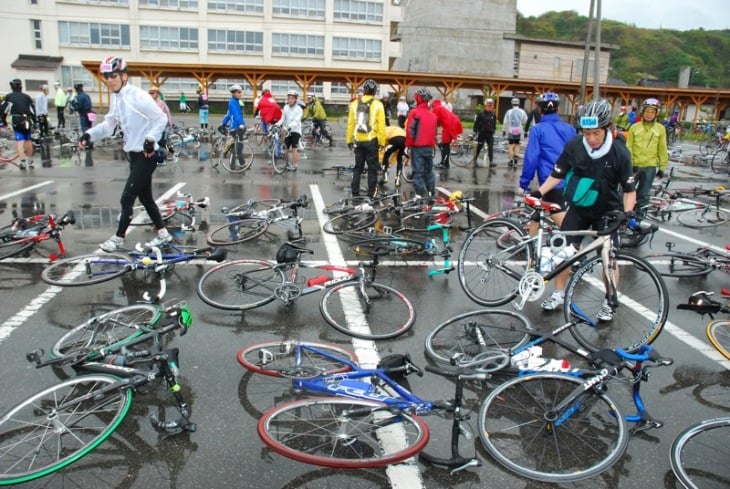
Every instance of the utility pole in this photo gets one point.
(586, 55)
(597, 53)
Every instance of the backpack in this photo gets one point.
(362, 117)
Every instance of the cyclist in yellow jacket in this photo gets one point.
(365, 135)
(315, 110)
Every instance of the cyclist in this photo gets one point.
(292, 120)
(514, 120)
(143, 124)
(203, 106)
(595, 158)
(235, 123)
(269, 110)
(41, 111)
(19, 106)
(83, 107)
(155, 94)
(395, 140)
(365, 135)
(485, 123)
(60, 103)
(421, 129)
(450, 130)
(316, 111)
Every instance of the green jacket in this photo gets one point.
(622, 121)
(647, 144)
(315, 111)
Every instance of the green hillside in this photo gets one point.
(644, 53)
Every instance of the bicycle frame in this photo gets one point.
(40, 228)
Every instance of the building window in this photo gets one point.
(35, 26)
(177, 4)
(119, 3)
(283, 44)
(358, 11)
(355, 48)
(86, 34)
(299, 8)
(71, 75)
(221, 85)
(339, 88)
(154, 37)
(235, 41)
(173, 87)
(245, 6)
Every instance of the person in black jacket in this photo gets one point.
(485, 123)
(21, 111)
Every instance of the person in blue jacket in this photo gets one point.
(234, 122)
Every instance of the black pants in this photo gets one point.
(398, 146)
(43, 124)
(61, 115)
(366, 152)
(139, 186)
(485, 138)
(445, 154)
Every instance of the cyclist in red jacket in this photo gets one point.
(420, 140)
(269, 110)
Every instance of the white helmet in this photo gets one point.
(235, 88)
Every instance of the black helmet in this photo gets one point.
(16, 84)
(78, 86)
(424, 94)
(549, 102)
(595, 114)
(369, 87)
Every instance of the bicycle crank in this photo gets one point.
(287, 292)
(530, 289)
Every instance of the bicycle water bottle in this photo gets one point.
(546, 259)
(563, 254)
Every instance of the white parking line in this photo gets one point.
(26, 189)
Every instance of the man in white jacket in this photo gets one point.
(512, 127)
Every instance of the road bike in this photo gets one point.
(499, 262)
(177, 213)
(312, 136)
(699, 454)
(223, 152)
(278, 154)
(59, 425)
(697, 263)
(252, 219)
(353, 302)
(24, 233)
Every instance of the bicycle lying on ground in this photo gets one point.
(353, 303)
(697, 263)
(252, 219)
(61, 424)
(25, 233)
(177, 213)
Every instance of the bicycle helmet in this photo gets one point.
(16, 84)
(286, 254)
(515, 101)
(549, 102)
(292, 93)
(489, 101)
(113, 64)
(56, 83)
(369, 87)
(154, 89)
(650, 102)
(235, 88)
(424, 94)
(595, 114)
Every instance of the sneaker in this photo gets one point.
(606, 312)
(30, 163)
(22, 165)
(385, 176)
(553, 302)
(163, 237)
(492, 164)
(397, 179)
(112, 244)
(291, 167)
(510, 163)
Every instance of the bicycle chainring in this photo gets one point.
(532, 286)
(287, 292)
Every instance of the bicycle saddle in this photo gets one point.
(701, 303)
(539, 203)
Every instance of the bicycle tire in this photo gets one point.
(388, 245)
(643, 304)
(702, 218)
(680, 265)
(59, 425)
(240, 284)
(342, 433)
(709, 146)
(8, 153)
(237, 232)
(718, 332)
(143, 219)
(420, 221)
(355, 220)
(175, 143)
(181, 221)
(489, 274)
(720, 161)
(388, 314)
(462, 154)
(228, 161)
(87, 269)
(466, 336)
(112, 329)
(279, 159)
(10, 247)
(289, 361)
(700, 453)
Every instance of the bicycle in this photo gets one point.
(177, 213)
(312, 136)
(61, 424)
(25, 233)
(8, 149)
(353, 302)
(690, 213)
(252, 219)
(278, 154)
(223, 152)
(697, 263)
(499, 262)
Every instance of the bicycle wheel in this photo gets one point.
(87, 269)
(279, 158)
(471, 334)
(702, 218)
(175, 143)
(709, 146)
(387, 246)
(9, 246)
(700, 453)
(718, 332)
(720, 161)
(342, 433)
(295, 360)
(230, 162)
(680, 265)
(524, 427)
(420, 221)
(240, 284)
(462, 153)
(59, 425)
(350, 221)
(490, 271)
(643, 304)
(237, 232)
(114, 328)
(381, 313)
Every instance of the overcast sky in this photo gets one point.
(652, 14)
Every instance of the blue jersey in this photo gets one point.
(234, 116)
(546, 142)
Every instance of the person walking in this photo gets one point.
(41, 111)
(514, 120)
(421, 128)
(647, 143)
(402, 110)
(83, 107)
(203, 108)
(315, 110)
(291, 119)
(235, 123)
(18, 112)
(60, 101)
(365, 135)
(143, 124)
(485, 124)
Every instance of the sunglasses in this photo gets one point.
(109, 76)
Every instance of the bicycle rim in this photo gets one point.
(237, 232)
(642, 304)
(15, 247)
(718, 332)
(699, 455)
(679, 265)
(518, 428)
(702, 218)
(58, 426)
(280, 161)
(719, 162)
(468, 335)
(239, 285)
(385, 314)
(342, 433)
(350, 221)
(489, 274)
(87, 269)
(294, 360)
(386, 246)
(461, 154)
(230, 160)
